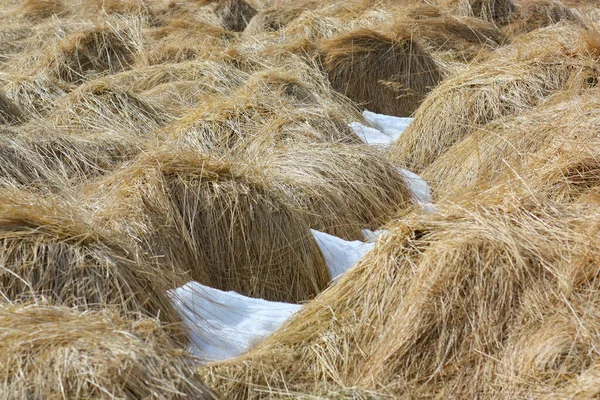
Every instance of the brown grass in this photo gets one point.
(92, 51)
(100, 106)
(287, 104)
(42, 159)
(272, 20)
(9, 112)
(50, 352)
(386, 74)
(36, 10)
(492, 299)
(338, 189)
(204, 215)
(552, 148)
(514, 80)
(234, 14)
(535, 14)
(48, 251)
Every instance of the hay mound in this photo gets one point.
(33, 96)
(498, 11)
(272, 19)
(210, 217)
(493, 299)
(9, 112)
(535, 14)
(234, 14)
(92, 51)
(41, 158)
(47, 251)
(55, 352)
(386, 74)
(37, 10)
(552, 148)
(515, 79)
(100, 106)
(461, 38)
(293, 103)
(338, 189)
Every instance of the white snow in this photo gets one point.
(340, 255)
(372, 236)
(391, 126)
(371, 136)
(226, 324)
(420, 190)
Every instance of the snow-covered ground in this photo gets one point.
(391, 126)
(340, 255)
(226, 324)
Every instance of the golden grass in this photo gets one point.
(535, 14)
(9, 112)
(48, 251)
(42, 159)
(493, 298)
(234, 14)
(287, 104)
(516, 78)
(338, 189)
(51, 352)
(550, 148)
(272, 19)
(100, 106)
(387, 74)
(101, 49)
(215, 220)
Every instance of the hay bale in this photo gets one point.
(234, 14)
(37, 10)
(215, 220)
(497, 11)
(183, 39)
(536, 14)
(100, 106)
(287, 104)
(92, 51)
(33, 96)
(552, 148)
(461, 38)
(49, 352)
(386, 74)
(338, 189)
(48, 251)
(40, 158)
(516, 78)
(492, 298)
(9, 112)
(272, 19)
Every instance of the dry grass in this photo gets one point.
(33, 96)
(212, 218)
(492, 299)
(272, 20)
(535, 14)
(48, 251)
(496, 11)
(234, 14)
(100, 106)
(287, 104)
(338, 189)
(36, 10)
(50, 352)
(515, 79)
(386, 74)
(9, 112)
(42, 159)
(102, 49)
(551, 148)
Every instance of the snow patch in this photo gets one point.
(420, 190)
(371, 136)
(391, 126)
(222, 324)
(340, 255)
